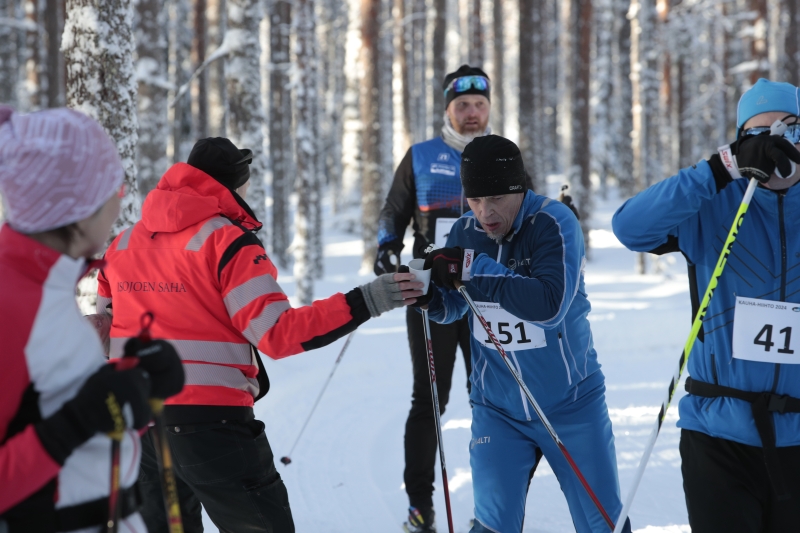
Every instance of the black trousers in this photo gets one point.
(727, 487)
(229, 469)
(420, 438)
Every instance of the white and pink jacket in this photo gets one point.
(48, 352)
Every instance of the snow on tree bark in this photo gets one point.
(98, 51)
(199, 52)
(280, 125)
(348, 194)
(307, 132)
(622, 119)
(404, 48)
(372, 182)
(36, 56)
(386, 92)
(335, 98)
(152, 72)
(245, 110)
(9, 66)
(602, 90)
(576, 48)
(180, 59)
(217, 97)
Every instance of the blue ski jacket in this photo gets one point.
(536, 275)
(686, 213)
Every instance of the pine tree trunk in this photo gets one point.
(623, 101)
(529, 59)
(371, 184)
(9, 66)
(791, 11)
(476, 35)
(759, 47)
(152, 69)
(98, 52)
(217, 97)
(549, 85)
(439, 63)
(181, 43)
(405, 46)
(576, 48)
(36, 60)
(245, 111)
(199, 46)
(308, 183)
(280, 126)
(54, 26)
(421, 84)
(498, 81)
(602, 154)
(337, 88)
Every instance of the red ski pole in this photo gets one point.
(463, 290)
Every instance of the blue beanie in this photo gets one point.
(766, 96)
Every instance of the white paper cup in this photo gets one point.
(415, 267)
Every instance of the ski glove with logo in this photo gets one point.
(754, 156)
(382, 294)
(161, 361)
(105, 394)
(446, 266)
(388, 258)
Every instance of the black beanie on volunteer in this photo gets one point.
(492, 166)
(464, 71)
(219, 158)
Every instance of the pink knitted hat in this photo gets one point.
(56, 167)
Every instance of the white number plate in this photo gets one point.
(766, 331)
(443, 227)
(512, 332)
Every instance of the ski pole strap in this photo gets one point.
(761, 405)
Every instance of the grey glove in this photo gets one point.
(382, 295)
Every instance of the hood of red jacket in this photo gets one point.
(185, 196)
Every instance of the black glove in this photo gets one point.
(755, 156)
(388, 258)
(421, 300)
(161, 361)
(90, 411)
(445, 265)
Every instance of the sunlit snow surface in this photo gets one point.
(347, 471)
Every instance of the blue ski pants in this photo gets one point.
(503, 455)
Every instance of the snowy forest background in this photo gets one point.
(329, 94)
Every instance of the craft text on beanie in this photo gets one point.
(220, 159)
(465, 80)
(766, 96)
(57, 167)
(492, 166)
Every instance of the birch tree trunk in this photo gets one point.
(336, 93)
(181, 42)
(439, 63)
(371, 184)
(602, 91)
(152, 72)
(280, 125)
(217, 97)
(308, 183)
(352, 153)
(576, 48)
(498, 81)
(245, 112)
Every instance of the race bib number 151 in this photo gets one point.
(512, 332)
(762, 331)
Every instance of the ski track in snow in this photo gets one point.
(347, 471)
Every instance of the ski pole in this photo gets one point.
(463, 290)
(286, 459)
(436, 414)
(687, 349)
(126, 362)
(169, 487)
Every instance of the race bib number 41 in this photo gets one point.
(763, 331)
(512, 332)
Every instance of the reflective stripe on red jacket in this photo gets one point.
(49, 351)
(196, 264)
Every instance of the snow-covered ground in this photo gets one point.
(346, 472)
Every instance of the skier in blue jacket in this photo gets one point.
(527, 276)
(740, 422)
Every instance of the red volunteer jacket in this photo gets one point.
(49, 350)
(195, 263)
